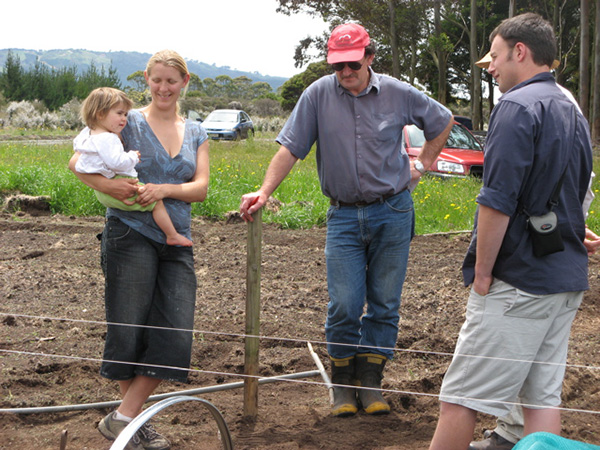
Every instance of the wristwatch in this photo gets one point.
(420, 167)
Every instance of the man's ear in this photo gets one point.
(521, 52)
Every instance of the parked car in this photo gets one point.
(464, 120)
(461, 156)
(194, 115)
(229, 124)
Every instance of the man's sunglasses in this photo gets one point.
(354, 65)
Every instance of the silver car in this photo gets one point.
(230, 124)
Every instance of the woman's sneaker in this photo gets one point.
(110, 428)
(152, 439)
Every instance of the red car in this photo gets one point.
(461, 156)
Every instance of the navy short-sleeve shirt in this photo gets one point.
(535, 133)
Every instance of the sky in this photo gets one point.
(247, 35)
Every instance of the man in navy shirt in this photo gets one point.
(356, 118)
(513, 344)
(509, 429)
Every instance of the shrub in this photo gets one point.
(192, 104)
(235, 105)
(269, 124)
(139, 98)
(265, 107)
(28, 115)
(69, 116)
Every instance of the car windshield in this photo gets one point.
(222, 116)
(459, 138)
(416, 137)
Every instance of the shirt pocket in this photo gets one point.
(387, 126)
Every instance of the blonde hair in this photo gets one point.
(169, 58)
(100, 101)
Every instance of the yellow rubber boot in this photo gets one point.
(344, 398)
(369, 372)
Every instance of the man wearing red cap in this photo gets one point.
(356, 118)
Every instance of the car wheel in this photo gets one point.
(238, 135)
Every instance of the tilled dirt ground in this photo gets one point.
(52, 330)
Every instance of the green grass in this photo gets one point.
(445, 204)
(25, 133)
(441, 205)
(239, 167)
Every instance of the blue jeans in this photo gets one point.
(146, 283)
(367, 254)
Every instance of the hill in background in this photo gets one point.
(125, 63)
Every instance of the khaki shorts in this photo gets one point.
(513, 344)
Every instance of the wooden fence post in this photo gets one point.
(252, 316)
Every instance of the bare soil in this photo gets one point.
(52, 331)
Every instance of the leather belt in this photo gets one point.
(381, 199)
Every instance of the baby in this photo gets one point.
(104, 112)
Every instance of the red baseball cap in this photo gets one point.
(347, 43)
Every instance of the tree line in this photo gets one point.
(240, 88)
(434, 44)
(54, 87)
(57, 86)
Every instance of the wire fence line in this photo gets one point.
(284, 339)
(293, 340)
(290, 380)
